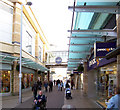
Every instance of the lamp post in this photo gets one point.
(20, 74)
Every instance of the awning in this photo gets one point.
(87, 28)
(33, 65)
(8, 59)
(113, 53)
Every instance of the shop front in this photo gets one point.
(101, 77)
(27, 80)
(5, 81)
(107, 80)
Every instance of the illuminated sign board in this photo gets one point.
(103, 48)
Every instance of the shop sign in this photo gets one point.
(103, 48)
(98, 62)
(58, 60)
(76, 72)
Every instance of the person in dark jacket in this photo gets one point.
(50, 86)
(39, 83)
(67, 85)
(41, 100)
(46, 86)
(34, 89)
(72, 84)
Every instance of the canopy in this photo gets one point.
(8, 59)
(89, 26)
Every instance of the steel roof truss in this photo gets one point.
(97, 9)
(104, 32)
(80, 52)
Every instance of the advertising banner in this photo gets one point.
(103, 48)
(98, 62)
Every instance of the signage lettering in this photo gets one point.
(103, 48)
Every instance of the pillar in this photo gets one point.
(44, 57)
(36, 76)
(118, 45)
(16, 25)
(15, 80)
(48, 74)
(85, 79)
(79, 81)
(36, 46)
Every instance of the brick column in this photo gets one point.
(85, 79)
(44, 52)
(76, 81)
(79, 81)
(42, 78)
(36, 45)
(118, 45)
(48, 74)
(36, 76)
(16, 24)
(15, 78)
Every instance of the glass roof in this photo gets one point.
(7, 58)
(84, 42)
(29, 63)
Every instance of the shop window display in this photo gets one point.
(4, 81)
(107, 83)
(27, 81)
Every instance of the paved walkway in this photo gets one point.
(55, 99)
(13, 101)
(80, 101)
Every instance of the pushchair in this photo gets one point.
(68, 93)
(40, 105)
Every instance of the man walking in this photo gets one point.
(34, 89)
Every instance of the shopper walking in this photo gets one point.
(114, 102)
(72, 84)
(61, 85)
(34, 89)
(50, 86)
(54, 82)
(39, 83)
(58, 84)
(46, 86)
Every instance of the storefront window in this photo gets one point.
(27, 81)
(107, 80)
(4, 81)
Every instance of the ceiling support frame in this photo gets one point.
(96, 9)
(104, 32)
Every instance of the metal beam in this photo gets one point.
(73, 64)
(74, 61)
(80, 52)
(86, 37)
(81, 44)
(77, 59)
(97, 9)
(104, 32)
(71, 67)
